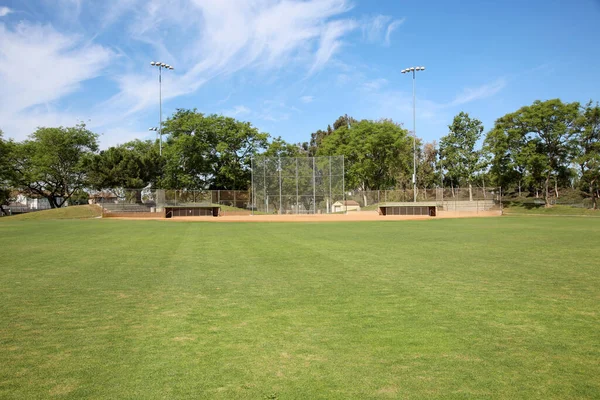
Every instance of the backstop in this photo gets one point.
(297, 185)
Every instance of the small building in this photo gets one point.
(35, 201)
(346, 205)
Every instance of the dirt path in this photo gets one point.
(351, 216)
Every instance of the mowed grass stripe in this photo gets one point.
(498, 307)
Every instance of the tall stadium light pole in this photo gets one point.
(161, 66)
(414, 70)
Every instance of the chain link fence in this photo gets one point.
(155, 200)
(303, 185)
(294, 186)
(447, 199)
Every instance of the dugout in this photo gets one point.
(425, 208)
(209, 210)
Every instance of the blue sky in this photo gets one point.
(289, 67)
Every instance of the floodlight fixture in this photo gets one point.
(414, 177)
(161, 66)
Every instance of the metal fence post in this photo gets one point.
(314, 189)
(280, 203)
(265, 185)
(297, 199)
(344, 183)
(330, 202)
(252, 186)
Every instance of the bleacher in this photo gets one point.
(125, 208)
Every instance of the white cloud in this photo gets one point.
(38, 66)
(276, 110)
(330, 42)
(203, 39)
(228, 36)
(375, 84)
(307, 99)
(372, 28)
(391, 27)
(379, 28)
(4, 11)
(481, 92)
(237, 110)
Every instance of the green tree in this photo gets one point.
(5, 190)
(504, 149)
(552, 124)
(587, 151)
(376, 152)
(458, 156)
(317, 137)
(133, 165)
(209, 151)
(51, 164)
(427, 166)
(280, 148)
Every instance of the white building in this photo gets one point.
(347, 205)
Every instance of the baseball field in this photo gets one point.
(504, 307)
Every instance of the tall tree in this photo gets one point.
(209, 151)
(280, 148)
(551, 124)
(587, 151)
(504, 147)
(427, 167)
(375, 152)
(458, 156)
(50, 164)
(316, 138)
(133, 165)
(5, 190)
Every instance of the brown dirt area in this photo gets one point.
(351, 216)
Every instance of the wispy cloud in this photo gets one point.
(378, 29)
(223, 101)
(39, 65)
(375, 84)
(391, 28)
(237, 110)
(229, 36)
(386, 102)
(276, 110)
(481, 92)
(4, 11)
(330, 42)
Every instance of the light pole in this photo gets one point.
(161, 66)
(414, 70)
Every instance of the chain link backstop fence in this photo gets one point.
(303, 185)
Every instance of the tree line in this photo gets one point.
(535, 151)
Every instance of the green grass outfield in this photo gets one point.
(467, 308)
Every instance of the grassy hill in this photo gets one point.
(72, 212)
(536, 209)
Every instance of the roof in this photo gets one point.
(347, 203)
(193, 205)
(409, 204)
(102, 195)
